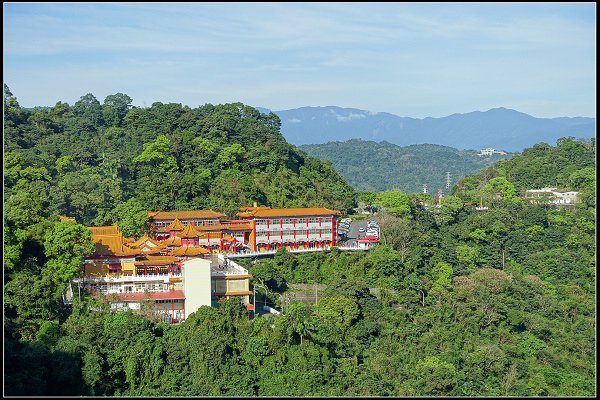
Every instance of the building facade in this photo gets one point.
(148, 276)
(182, 265)
(200, 228)
(292, 228)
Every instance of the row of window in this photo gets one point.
(184, 222)
(299, 232)
(277, 221)
(137, 287)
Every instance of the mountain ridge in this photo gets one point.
(380, 166)
(500, 127)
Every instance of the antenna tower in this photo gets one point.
(447, 180)
(425, 188)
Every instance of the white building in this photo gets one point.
(551, 195)
(488, 151)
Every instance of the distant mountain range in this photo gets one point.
(500, 128)
(367, 165)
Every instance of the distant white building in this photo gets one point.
(490, 151)
(551, 195)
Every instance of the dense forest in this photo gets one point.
(374, 166)
(86, 159)
(454, 302)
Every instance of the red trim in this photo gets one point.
(333, 231)
(254, 228)
(167, 295)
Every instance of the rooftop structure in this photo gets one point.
(150, 276)
(182, 263)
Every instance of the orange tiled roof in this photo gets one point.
(195, 214)
(109, 242)
(154, 250)
(104, 230)
(173, 241)
(63, 218)
(288, 212)
(176, 225)
(190, 251)
(145, 239)
(246, 209)
(188, 232)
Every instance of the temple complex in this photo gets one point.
(181, 263)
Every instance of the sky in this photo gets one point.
(410, 59)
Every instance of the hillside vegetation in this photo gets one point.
(86, 159)
(454, 302)
(383, 166)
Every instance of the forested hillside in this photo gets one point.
(454, 302)
(84, 160)
(383, 166)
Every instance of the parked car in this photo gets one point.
(361, 229)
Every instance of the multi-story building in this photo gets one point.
(292, 228)
(147, 276)
(174, 270)
(200, 228)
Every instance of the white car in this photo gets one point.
(361, 229)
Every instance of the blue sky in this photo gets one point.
(409, 59)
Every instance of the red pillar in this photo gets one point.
(172, 311)
(332, 231)
(221, 241)
(254, 228)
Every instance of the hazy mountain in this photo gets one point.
(368, 165)
(499, 128)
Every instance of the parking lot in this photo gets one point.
(359, 229)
